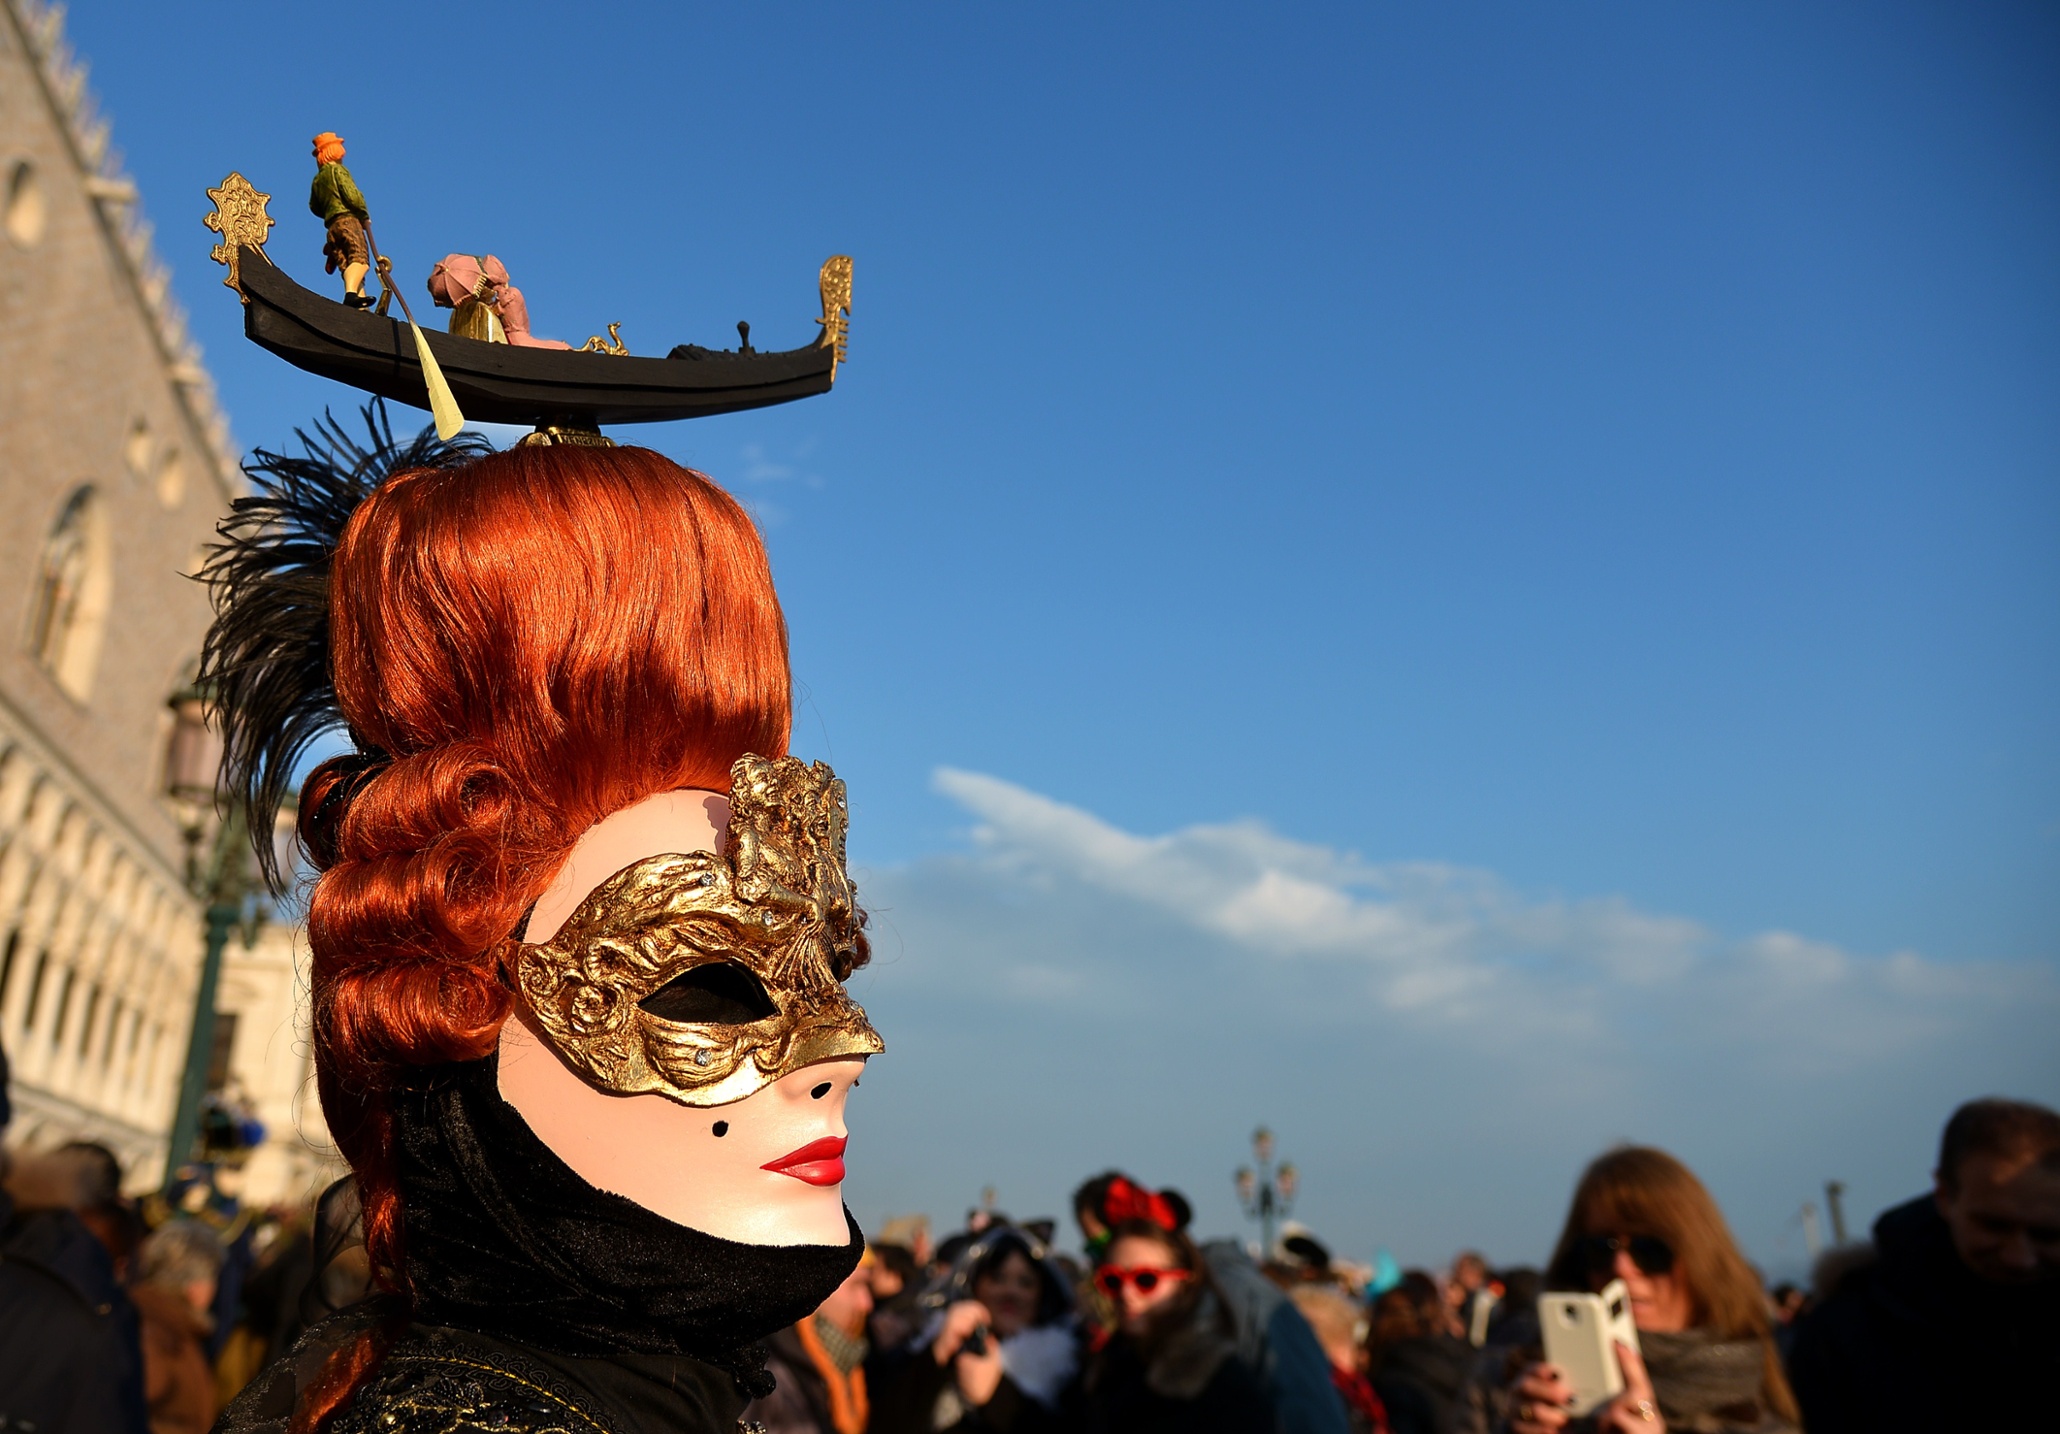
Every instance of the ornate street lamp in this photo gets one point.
(193, 764)
(226, 881)
(1266, 1194)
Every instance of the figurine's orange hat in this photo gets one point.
(326, 141)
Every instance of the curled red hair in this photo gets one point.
(536, 639)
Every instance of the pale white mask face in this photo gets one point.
(704, 1168)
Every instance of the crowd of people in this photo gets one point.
(123, 1317)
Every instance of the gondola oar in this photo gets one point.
(443, 404)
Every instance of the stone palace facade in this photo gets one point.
(115, 464)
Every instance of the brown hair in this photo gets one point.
(1187, 1256)
(1414, 1309)
(1636, 1190)
(531, 642)
(2011, 1129)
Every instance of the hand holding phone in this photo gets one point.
(1581, 1335)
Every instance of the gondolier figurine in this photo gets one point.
(336, 201)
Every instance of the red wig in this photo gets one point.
(536, 639)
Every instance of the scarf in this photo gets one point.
(840, 1360)
(1706, 1383)
(503, 1238)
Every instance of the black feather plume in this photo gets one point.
(265, 664)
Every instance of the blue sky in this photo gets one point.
(1541, 520)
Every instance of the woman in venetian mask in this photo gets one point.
(579, 929)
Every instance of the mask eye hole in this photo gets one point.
(719, 993)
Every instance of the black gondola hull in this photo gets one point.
(500, 383)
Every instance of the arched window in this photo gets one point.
(23, 211)
(70, 607)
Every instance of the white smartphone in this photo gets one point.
(1581, 1336)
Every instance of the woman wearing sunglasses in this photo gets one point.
(1168, 1363)
(1708, 1363)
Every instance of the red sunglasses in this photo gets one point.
(1111, 1279)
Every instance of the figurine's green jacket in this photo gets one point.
(334, 192)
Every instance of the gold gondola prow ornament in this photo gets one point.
(241, 220)
(835, 282)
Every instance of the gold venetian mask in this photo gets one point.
(705, 976)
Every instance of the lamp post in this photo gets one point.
(226, 882)
(1834, 1201)
(1267, 1194)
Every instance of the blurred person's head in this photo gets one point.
(1339, 1323)
(100, 1171)
(894, 1269)
(1010, 1271)
(1640, 1216)
(1469, 1271)
(1521, 1284)
(1013, 1276)
(1112, 1198)
(912, 1233)
(1998, 1188)
(99, 1205)
(1087, 1210)
(951, 1250)
(1413, 1309)
(1150, 1275)
(184, 1256)
(850, 1303)
(1015, 1287)
(1303, 1259)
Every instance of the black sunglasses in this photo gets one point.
(1598, 1253)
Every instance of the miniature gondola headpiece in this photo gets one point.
(565, 394)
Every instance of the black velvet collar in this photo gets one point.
(503, 1238)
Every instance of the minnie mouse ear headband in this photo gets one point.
(1127, 1202)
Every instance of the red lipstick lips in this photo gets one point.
(820, 1162)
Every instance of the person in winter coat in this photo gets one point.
(1418, 1366)
(999, 1349)
(820, 1366)
(1952, 1320)
(1171, 1365)
(69, 1358)
(178, 1267)
(1706, 1361)
(1340, 1325)
(1271, 1337)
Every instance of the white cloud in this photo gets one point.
(1445, 1049)
(1433, 939)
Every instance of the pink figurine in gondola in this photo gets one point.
(486, 305)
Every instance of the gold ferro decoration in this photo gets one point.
(549, 435)
(241, 220)
(835, 283)
(776, 902)
(613, 344)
